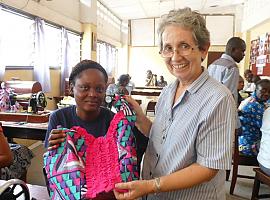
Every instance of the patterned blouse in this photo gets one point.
(251, 121)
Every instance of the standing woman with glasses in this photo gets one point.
(189, 146)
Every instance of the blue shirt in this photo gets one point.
(251, 120)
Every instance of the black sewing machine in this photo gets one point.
(27, 93)
(31, 102)
(14, 189)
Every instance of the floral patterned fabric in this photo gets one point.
(21, 161)
(251, 121)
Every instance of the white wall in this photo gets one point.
(255, 12)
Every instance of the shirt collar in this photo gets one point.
(227, 57)
(194, 87)
(196, 84)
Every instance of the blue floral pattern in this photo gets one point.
(251, 121)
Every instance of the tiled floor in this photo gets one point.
(242, 191)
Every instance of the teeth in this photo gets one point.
(179, 66)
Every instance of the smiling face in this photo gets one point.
(89, 91)
(185, 68)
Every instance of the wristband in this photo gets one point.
(157, 185)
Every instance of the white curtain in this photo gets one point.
(107, 55)
(65, 64)
(41, 69)
(2, 64)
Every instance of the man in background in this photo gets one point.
(225, 69)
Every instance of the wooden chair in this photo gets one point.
(260, 177)
(239, 159)
(151, 107)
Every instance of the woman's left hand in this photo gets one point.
(133, 190)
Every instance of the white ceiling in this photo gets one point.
(136, 9)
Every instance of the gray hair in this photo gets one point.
(189, 19)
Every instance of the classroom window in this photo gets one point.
(17, 42)
(107, 56)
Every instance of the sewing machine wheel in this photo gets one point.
(41, 99)
(14, 189)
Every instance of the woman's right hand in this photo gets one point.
(136, 107)
(57, 136)
(142, 122)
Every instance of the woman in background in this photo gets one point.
(121, 87)
(14, 159)
(250, 114)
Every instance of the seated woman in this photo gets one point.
(14, 159)
(251, 113)
(120, 87)
(161, 82)
(264, 153)
(88, 84)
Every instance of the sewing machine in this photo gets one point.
(27, 93)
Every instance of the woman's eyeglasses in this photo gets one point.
(183, 49)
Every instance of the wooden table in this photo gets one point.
(34, 131)
(146, 92)
(150, 87)
(24, 125)
(24, 117)
(36, 191)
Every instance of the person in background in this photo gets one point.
(256, 78)
(251, 113)
(264, 153)
(87, 81)
(190, 144)
(225, 69)
(246, 73)
(6, 158)
(131, 85)
(162, 82)
(149, 81)
(239, 89)
(121, 87)
(249, 84)
(14, 159)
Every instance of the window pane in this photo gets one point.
(53, 46)
(17, 40)
(107, 56)
(75, 46)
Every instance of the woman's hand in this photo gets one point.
(136, 107)
(134, 189)
(57, 136)
(142, 123)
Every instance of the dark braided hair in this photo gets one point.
(84, 65)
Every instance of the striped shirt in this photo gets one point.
(198, 128)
